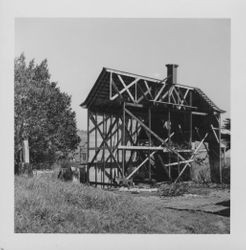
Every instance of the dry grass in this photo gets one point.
(46, 205)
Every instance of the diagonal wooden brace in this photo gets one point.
(191, 158)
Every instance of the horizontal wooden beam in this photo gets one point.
(140, 148)
(163, 149)
(199, 113)
(178, 162)
(136, 105)
(174, 104)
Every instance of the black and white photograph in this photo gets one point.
(116, 124)
(118, 128)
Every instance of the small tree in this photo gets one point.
(43, 113)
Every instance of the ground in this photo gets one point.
(44, 204)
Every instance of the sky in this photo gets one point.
(78, 48)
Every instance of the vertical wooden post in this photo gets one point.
(191, 128)
(149, 117)
(169, 143)
(220, 165)
(96, 150)
(136, 92)
(104, 133)
(178, 165)
(123, 139)
(117, 140)
(88, 145)
(169, 127)
(111, 148)
(110, 85)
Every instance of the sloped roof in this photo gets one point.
(100, 91)
(208, 100)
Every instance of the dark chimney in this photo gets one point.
(172, 73)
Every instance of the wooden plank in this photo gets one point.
(191, 123)
(173, 104)
(103, 158)
(199, 113)
(166, 94)
(185, 95)
(169, 131)
(88, 144)
(178, 95)
(152, 148)
(110, 85)
(118, 139)
(149, 135)
(136, 105)
(140, 148)
(96, 148)
(111, 145)
(178, 162)
(220, 165)
(160, 91)
(217, 139)
(123, 139)
(174, 100)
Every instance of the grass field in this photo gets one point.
(46, 205)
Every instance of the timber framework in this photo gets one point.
(141, 128)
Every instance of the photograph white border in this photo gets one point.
(233, 9)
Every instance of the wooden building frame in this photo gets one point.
(137, 123)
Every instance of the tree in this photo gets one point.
(43, 114)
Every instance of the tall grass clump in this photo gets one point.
(46, 205)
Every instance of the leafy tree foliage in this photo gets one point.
(43, 113)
